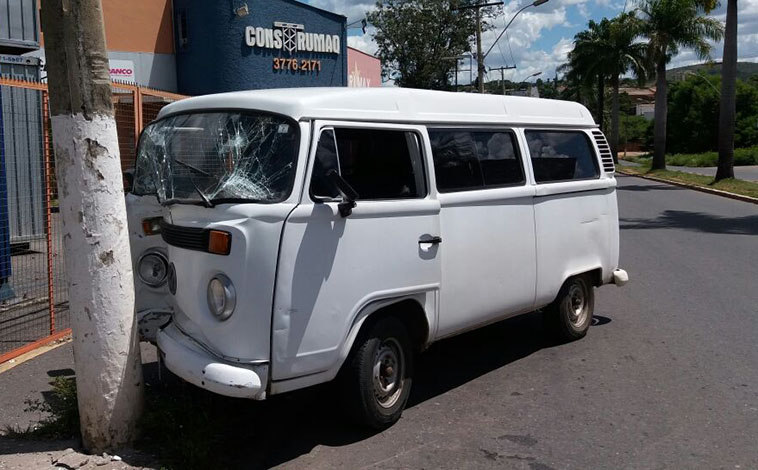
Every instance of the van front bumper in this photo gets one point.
(186, 358)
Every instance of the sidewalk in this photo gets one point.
(31, 381)
(747, 173)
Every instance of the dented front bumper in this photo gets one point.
(189, 360)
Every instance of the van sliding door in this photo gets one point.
(487, 222)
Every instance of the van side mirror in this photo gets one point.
(349, 195)
(128, 178)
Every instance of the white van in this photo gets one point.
(284, 238)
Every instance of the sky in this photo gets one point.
(541, 37)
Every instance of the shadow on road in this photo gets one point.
(696, 221)
(187, 427)
(649, 187)
(265, 434)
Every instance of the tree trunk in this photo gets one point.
(615, 118)
(728, 108)
(600, 101)
(95, 235)
(661, 112)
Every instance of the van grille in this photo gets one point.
(605, 151)
(190, 238)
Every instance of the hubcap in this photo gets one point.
(388, 372)
(578, 305)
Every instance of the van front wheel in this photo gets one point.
(377, 380)
(570, 315)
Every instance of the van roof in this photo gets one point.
(390, 104)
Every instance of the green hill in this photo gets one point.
(745, 70)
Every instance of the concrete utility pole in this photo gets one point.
(95, 235)
(502, 74)
(479, 55)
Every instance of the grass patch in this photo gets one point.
(742, 157)
(185, 427)
(60, 414)
(731, 185)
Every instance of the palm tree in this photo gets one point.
(728, 95)
(624, 53)
(670, 25)
(586, 59)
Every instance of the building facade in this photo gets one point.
(197, 47)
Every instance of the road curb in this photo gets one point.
(716, 192)
(17, 361)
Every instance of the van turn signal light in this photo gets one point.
(152, 226)
(219, 242)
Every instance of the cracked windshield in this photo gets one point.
(208, 158)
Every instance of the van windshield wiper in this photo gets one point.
(192, 167)
(206, 202)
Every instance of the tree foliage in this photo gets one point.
(694, 114)
(416, 39)
(670, 25)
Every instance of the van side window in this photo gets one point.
(469, 160)
(326, 159)
(561, 156)
(377, 163)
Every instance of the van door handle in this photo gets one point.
(430, 240)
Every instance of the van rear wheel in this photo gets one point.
(377, 381)
(570, 314)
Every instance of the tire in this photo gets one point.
(570, 314)
(377, 380)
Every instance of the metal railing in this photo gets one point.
(33, 288)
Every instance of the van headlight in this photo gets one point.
(221, 297)
(152, 268)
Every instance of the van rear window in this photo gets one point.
(475, 159)
(561, 156)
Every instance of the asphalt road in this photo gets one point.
(667, 378)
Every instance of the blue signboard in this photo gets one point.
(5, 236)
(262, 44)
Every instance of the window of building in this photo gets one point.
(181, 29)
(377, 163)
(561, 156)
(475, 159)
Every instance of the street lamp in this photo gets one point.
(530, 76)
(536, 3)
(705, 79)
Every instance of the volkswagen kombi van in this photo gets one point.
(284, 238)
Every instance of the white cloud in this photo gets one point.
(582, 8)
(364, 42)
(525, 30)
(354, 10)
(530, 26)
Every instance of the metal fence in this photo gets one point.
(33, 288)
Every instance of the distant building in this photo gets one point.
(643, 100)
(363, 70)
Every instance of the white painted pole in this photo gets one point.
(95, 235)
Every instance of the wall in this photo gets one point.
(19, 26)
(363, 70)
(141, 31)
(216, 58)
